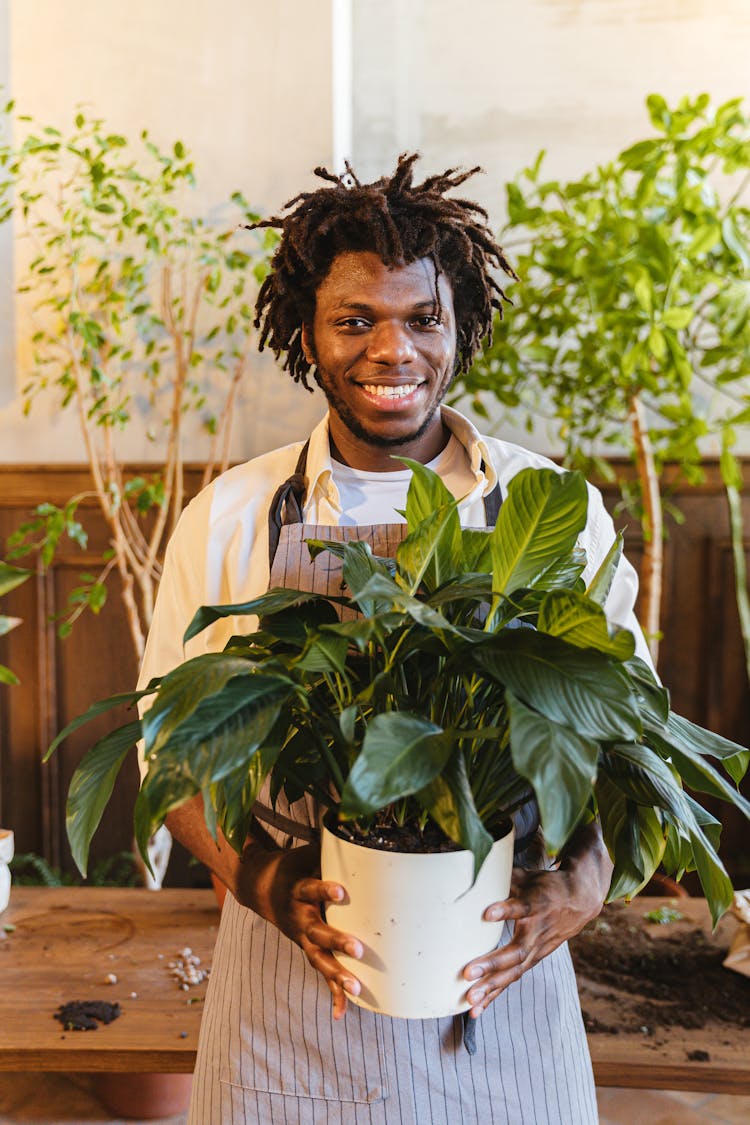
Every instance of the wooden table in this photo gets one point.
(66, 941)
(657, 1057)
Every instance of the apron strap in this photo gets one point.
(286, 506)
(492, 503)
(293, 828)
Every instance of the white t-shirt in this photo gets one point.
(369, 497)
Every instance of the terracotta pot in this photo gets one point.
(143, 1096)
(419, 919)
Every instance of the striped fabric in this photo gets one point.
(271, 1054)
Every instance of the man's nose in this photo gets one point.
(391, 343)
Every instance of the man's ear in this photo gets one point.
(308, 347)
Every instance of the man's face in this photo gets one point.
(385, 355)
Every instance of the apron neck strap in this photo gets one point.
(289, 498)
(288, 501)
(492, 502)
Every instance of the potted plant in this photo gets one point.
(476, 672)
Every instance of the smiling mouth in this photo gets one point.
(380, 390)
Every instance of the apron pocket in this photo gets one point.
(285, 1040)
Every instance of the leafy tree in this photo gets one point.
(142, 317)
(631, 322)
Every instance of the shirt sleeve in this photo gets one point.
(179, 596)
(620, 603)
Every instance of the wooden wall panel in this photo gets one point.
(702, 658)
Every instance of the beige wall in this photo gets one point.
(244, 83)
(247, 85)
(491, 82)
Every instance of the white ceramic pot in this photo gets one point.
(419, 920)
(6, 855)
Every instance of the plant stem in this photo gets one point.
(736, 523)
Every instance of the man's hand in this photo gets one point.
(547, 908)
(284, 888)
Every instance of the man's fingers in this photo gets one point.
(508, 910)
(319, 891)
(325, 937)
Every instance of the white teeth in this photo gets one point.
(382, 391)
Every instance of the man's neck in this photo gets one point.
(357, 453)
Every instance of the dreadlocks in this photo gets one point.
(400, 222)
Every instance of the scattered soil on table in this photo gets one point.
(673, 979)
(86, 1015)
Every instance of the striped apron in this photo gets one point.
(269, 1051)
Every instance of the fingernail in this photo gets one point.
(352, 987)
(354, 949)
(495, 913)
(476, 995)
(337, 893)
(475, 972)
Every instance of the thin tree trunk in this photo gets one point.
(653, 528)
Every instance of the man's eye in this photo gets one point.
(428, 321)
(353, 322)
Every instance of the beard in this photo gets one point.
(355, 426)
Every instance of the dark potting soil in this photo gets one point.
(86, 1015)
(673, 979)
(396, 838)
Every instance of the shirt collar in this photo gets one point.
(321, 486)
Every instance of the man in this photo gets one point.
(382, 292)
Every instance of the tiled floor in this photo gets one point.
(60, 1099)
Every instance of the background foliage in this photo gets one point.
(142, 316)
(630, 327)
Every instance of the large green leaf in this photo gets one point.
(698, 773)
(430, 554)
(476, 550)
(427, 493)
(100, 708)
(579, 688)
(559, 763)
(224, 730)
(401, 753)
(278, 598)
(359, 566)
(325, 652)
(716, 884)
(236, 794)
(183, 689)
(91, 787)
(581, 622)
(396, 598)
(693, 739)
(645, 778)
(449, 801)
(293, 625)
(634, 835)
(539, 522)
(653, 697)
